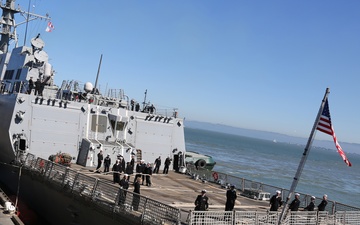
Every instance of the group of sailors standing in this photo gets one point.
(143, 173)
(276, 202)
(135, 106)
(38, 86)
(142, 169)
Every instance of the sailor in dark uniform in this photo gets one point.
(116, 171)
(311, 205)
(107, 163)
(132, 103)
(142, 170)
(294, 205)
(166, 165)
(136, 197)
(132, 162)
(148, 172)
(37, 86)
(137, 170)
(100, 160)
(157, 165)
(31, 85)
(275, 201)
(124, 185)
(322, 205)
(137, 107)
(128, 170)
(201, 202)
(230, 198)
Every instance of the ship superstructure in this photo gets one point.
(44, 119)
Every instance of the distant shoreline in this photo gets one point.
(351, 148)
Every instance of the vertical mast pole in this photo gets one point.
(304, 157)
(98, 72)
(27, 22)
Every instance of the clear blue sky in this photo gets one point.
(261, 65)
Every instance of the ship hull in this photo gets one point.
(7, 105)
(52, 204)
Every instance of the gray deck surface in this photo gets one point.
(180, 191)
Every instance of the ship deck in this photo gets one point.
(89, 196)
(180, 191)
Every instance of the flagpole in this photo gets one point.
(304, 157)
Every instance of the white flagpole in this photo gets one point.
(304, 157)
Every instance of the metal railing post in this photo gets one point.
(94, 189)
(50, 169)
(64, 178)
(143, 214)
(74, 182)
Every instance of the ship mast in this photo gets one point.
(8, 25)
(7, 22)
(98, 72)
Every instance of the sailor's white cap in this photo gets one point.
(126, 175)
(325, 195)
(297, 194)
(277, 191)
(203, 191)
(312, 197)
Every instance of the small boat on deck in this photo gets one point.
(199, 160)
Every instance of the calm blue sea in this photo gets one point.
(276, 164)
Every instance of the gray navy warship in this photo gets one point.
(44, 119)
(40, 120)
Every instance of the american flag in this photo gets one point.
(50, 27)
(324, 125)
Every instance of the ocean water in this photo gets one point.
(276, 164)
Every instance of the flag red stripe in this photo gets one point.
(324, 125)
(340, 151)
(326, 131)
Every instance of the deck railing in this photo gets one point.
(116, 202)
(262, 218)
(242, 184)
(105, 196)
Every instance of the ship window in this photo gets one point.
(119, 125)
(9, 74)
(18, 72)
(99, 123)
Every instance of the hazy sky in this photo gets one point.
(262, 65)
